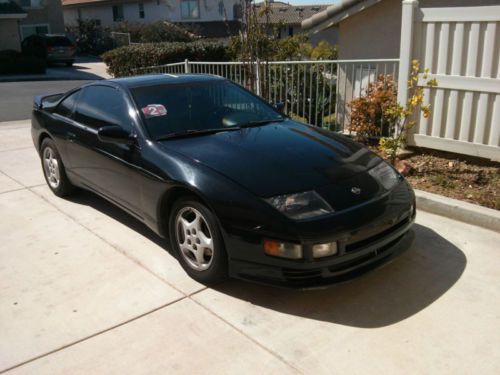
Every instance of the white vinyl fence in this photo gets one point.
(317, 92)
(460, 47)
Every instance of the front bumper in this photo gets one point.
(355, 259)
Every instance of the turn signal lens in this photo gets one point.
(282, 249)
(324, 249)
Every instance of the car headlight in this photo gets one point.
(384, 174)
(301, 206)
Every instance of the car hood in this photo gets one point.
(279, 158)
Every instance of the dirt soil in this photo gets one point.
(456, 176)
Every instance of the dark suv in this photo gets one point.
(52, 47)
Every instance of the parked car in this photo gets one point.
(52, 47)
(240, 189)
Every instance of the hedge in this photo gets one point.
(122, 61)
(13, 62)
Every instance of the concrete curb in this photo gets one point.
(458, 210)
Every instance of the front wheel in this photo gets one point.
(53, 169)
(196, 239)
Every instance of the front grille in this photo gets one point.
(302, 275)
(380, 253)
(370, 240)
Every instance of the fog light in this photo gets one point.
(282, 249)
(324, 249)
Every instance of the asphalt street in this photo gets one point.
(16, 98)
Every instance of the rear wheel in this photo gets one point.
(196, 239)
(53, 169)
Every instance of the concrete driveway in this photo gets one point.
(84, 288)
(84, 68)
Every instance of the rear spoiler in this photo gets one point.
(46, 101)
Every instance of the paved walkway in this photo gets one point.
(84, 288)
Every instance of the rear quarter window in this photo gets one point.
(67, 106)
(103, 105)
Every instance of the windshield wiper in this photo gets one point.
(195, 132)
(260, 122)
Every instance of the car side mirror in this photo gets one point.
(115, 134)
(280, 107)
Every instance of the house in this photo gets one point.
(22, 18)
(10, 15)
(43, 17)
(286, 19)
(371, 29)
(211, 17)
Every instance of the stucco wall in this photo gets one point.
(49, 13)
(331, 35)
(9, 34)
(372, 33)
(375, 32)
(153, 11)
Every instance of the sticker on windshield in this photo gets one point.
(154, 110)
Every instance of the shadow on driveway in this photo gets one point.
(380, 298)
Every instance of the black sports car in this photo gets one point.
(240, 189)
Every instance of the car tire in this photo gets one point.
(197, 242)
(53, 169)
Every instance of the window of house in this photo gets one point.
(141, 10)
(117, 13)
(290, 31)
(222, 9)
(237, 12)
(30, 3)
(190, 9)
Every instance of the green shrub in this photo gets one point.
(13, 62)
(90, 37)
(122, 61)
(156, 32)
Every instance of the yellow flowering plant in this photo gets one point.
(401, 117)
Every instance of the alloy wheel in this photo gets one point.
(194, 238)
(51, 167)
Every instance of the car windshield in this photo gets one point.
(169, 110)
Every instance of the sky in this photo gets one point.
(310, 2)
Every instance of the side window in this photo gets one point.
(100, 105)
(65, 108)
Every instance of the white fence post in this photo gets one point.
(187, 68)
(406, 49)
(257, 77)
